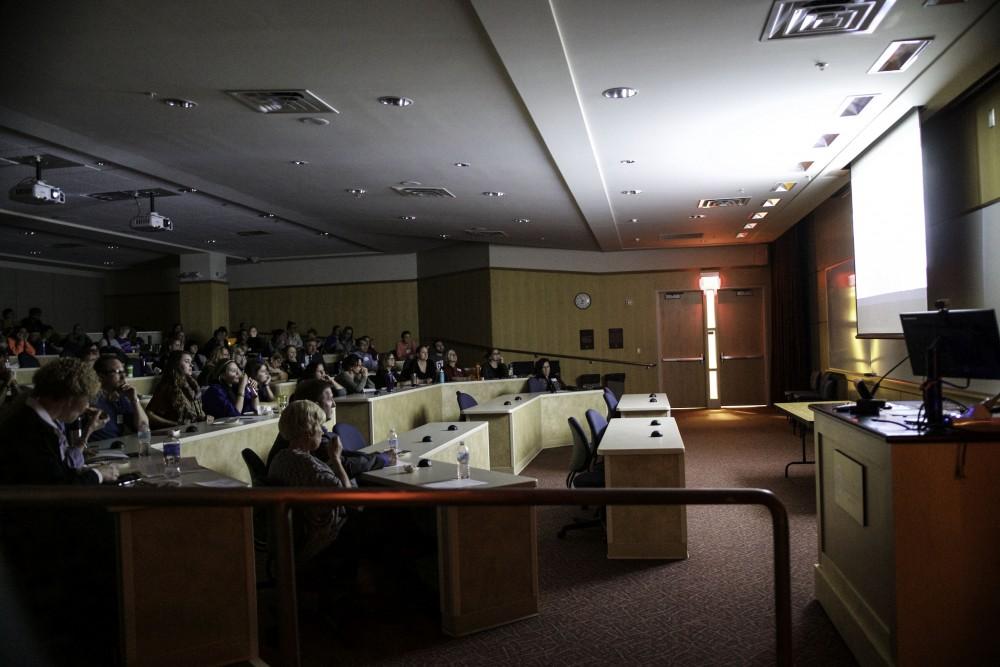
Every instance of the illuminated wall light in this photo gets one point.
(713, 385)
(709, 280)
(710, 309)
(713, 354)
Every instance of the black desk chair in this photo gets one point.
(612, 402)
(616, 383)
(465, 400)
(350, 437)
(598, 424)
(581, 475)
(536, 385)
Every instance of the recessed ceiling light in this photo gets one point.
(27, 233)
(493, 194)
(853, 106)
(210, 241)
(178, 103)
(619, 93)
(98, 164)
(187, 190)
(626, 161)
(804, 166)
(742, 235)
(111, 246)
(631, 192)
(35, 253)
(634, 220)
(636, 239)
(314, 120)
(395, 101)
(523, 220)
(357, 192)
(899, 55)
(750, 225)
(696, 217)
(783, 187)
(461, 164)
(266, 215)
(324, 234)
(299, 163)
(825, 140)
(108, 262)
(771, 202)
(541, 238)
(445, 236)
(759, 215)
(407, 218)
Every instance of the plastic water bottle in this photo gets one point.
(145, 437)
(441, 375)
(393, 441)
(172, 458)
(43, 346)
(463, 461)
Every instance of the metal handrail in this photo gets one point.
(284, 498)
(554, 355)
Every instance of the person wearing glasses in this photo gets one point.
(118, 400)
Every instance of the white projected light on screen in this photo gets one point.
(889, 253)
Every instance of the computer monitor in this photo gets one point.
(950, 343)
(967, 342)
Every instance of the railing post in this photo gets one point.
(288, 605)
(782, 584)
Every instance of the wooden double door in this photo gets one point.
(740, 344)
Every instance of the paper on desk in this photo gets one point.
(454, 484)
(222, 483)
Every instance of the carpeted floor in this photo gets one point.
(715, 608)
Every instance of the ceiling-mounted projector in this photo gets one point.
(151, 222)
(33, 190)
(36, 191)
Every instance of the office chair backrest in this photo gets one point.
(25, 360)
(522, 368)
(610, 400)
(536, 385)
(829, 385)
(616, 383)
(256, 467)
(580, 459)
(598, 424)
(465, 401)
(589, 381)
(350, 437)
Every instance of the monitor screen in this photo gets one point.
(967, 341)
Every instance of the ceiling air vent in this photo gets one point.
(422, 191)
(122, 195)
(683, 236)
(812, 18)
(253, 232)
(484, 233)
(723, 203)
(282, 101)
(48, 161)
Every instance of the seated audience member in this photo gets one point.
(50, 343)
(257, 344)
(176, 399)
(332, 344)
(174, 344)
(279, 340)
(90, 354)
(258, 372)
(366, 354)
(8, 381)
(355, 463)
(220, 338)
(198, 359)
(35, 447)
(406, 348)
(494, 368)
(317, 371)
(33, 322)
(274, 365)
(239, 355)
(543, 371)
(419, 370)
(219, 356)
(452, 371)
(386, 376)
(243, 337)
(347, 340)
(124, 339)
(76, 340)
(438, 353)
(301, 425)
(7, 322)
(291, 364)
(311, 352)
(118, 400)
(354, 377)
(18, 343)
(109, 340)
(231, 393)
(293, 337)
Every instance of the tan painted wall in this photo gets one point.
(380, 310)
(534, 310)
(204, 306)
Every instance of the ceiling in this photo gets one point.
(511, 89)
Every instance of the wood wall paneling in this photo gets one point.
(65, 298)
(204, 306)
(457, 307)
(144, 312)
(988, 143)
(379, 310)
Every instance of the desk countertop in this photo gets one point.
(642, 402)
(633, 436)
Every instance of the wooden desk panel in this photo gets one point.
(558, 407)
(444, 444)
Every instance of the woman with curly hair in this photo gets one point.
(176, 399)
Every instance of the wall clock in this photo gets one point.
(582, 300)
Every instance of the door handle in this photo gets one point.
(700, 359)
(735, 357)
